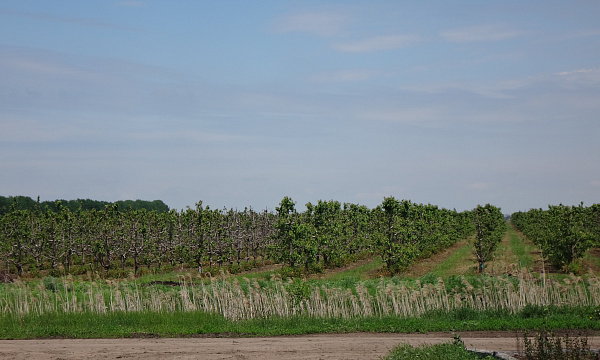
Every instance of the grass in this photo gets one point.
(361, 272)
(546, 345)
(521, 250)
(276, 307)
(262, 303)
(433, 352)
(181, 324)
(592, 259)
(344, 298)
(452, 264)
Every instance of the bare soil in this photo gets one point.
(327, 346)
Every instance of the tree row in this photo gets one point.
(326, 234)
(27, 203)
(563, 233)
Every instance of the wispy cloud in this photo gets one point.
(378, 43)
(590, 76)
(587, 79)
(489, 32)
(36, 78)
(321, 23)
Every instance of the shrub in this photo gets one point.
(299, 290)
(166, 268)
(234, 269)
(79, 269)
(548, 346)
(51, 283)
(534, 311)
(117, 274)
(56, 272)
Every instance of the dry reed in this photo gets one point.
(235, 302)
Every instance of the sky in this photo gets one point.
(238, 104)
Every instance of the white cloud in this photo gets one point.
(582, 77)
(318, 23)
(491, 32)
(378, 43)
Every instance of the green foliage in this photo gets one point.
(407, 231)
(298, 289)
(563, 233)
(396, 244)
(490, 227)
(51, 283)
(449, 351)
(535, 311)
(326, 227)
(27, 203)
(121, 237)
(546, 345)
(295, 241)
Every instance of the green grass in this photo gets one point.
(592, 260)
(360, 272)
(449, 265)
(521, 250)
(117, 325)
(433, 352)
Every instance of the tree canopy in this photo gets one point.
(27, 203)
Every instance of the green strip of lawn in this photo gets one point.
(115, 325)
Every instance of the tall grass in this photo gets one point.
(277, 298)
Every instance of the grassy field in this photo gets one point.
(178, 324)
(442, 293)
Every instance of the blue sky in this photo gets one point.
(238, 103)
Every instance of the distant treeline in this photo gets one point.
(27, 203)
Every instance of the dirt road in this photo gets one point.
(328, 346)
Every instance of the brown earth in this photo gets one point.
(327, 346)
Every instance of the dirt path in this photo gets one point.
(328, 346)
(426, 266)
